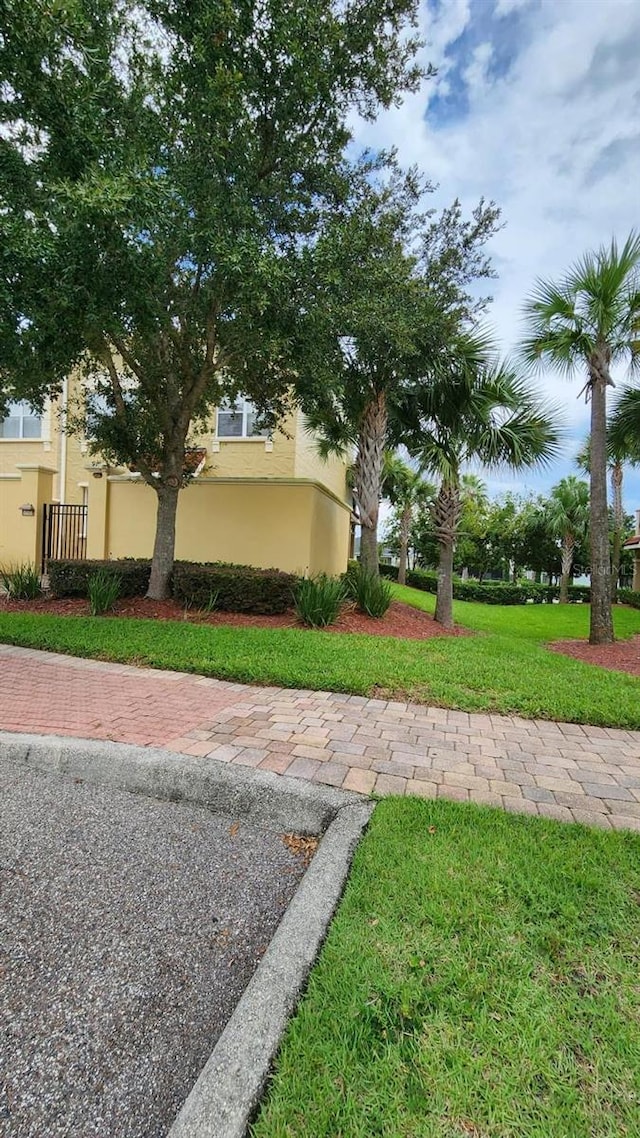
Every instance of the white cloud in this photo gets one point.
(476, 75)
(506, 7)
(554, 138)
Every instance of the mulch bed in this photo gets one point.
(623, 656)
(401, 621)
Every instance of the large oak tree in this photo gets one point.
(163, 167)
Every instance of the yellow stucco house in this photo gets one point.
(260, 499)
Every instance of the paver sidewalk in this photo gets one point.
(557, 770)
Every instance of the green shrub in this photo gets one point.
(389, 571)
(21, 581)
(577, 594)
(629, 597)
(237, 588)
(104, 589)
(495, 592)
(371, 593)
(71, 578)
(318, 600)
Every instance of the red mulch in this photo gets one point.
(623, 656)
(400, 621)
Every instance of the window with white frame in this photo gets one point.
(21, 422)
(239, 421)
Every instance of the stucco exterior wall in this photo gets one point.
(330, 472)
(49, 451)
(292, 525)
(266, 502)
(254, 457)
(21, 535)
(330, 535)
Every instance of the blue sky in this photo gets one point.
(536, 105)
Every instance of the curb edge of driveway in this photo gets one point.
(270, 800)
(229, 1088)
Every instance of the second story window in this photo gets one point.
(238, 421)
(20, 423)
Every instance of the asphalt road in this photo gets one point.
(129, 928)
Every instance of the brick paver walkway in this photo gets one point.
(557, 770)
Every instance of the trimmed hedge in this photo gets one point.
(629, 597)
(491, 593)
(71, 578)
(236, 588)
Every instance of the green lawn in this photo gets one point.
(505, 668)
(480, 979)
(530, 622)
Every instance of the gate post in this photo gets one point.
(36, 488)
(97, 513)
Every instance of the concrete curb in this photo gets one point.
(272, 801)
(230, 1085)
(229, 1088)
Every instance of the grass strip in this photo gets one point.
(480, 979)
(508, 674)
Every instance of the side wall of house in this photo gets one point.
(330, 472)
(290, 524)
(22, 497)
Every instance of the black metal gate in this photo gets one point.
(64, 533)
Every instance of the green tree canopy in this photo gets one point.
(393, 290)
(479, 410)
(163, 168)
(406, 490)
(568, 517)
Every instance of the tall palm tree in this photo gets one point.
(622, 447)
(406, 489)
(568, 517)
(590, 319)
(481, 413)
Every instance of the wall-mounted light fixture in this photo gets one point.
(97, 473)
(28, 510)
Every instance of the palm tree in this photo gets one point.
(590, 319)
(568, 517)
(621, 447)
(624, 425)
(482, 412)
(406, 489)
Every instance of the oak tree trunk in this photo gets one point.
(601, 630)
(165, 542)
(368, 477)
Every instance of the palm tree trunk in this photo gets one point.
(567, 561)
(369, 549)
(446, 515)
(405, 527)
(601, 630)
(618, 525)
(368, 477)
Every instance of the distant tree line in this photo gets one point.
(501, 538)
